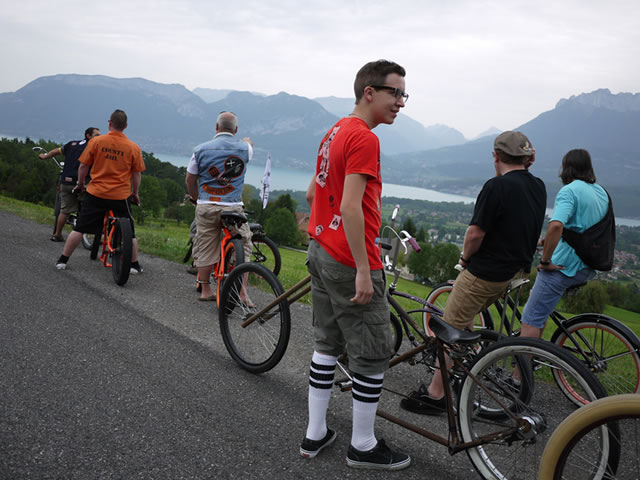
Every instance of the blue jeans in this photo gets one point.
(546, 293)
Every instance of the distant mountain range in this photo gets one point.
(601, 122)
(171, 119)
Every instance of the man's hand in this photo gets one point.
(248, 140)
(42, 156)
(364, 288)
(79, 188)
(134, 198)
(550, 267)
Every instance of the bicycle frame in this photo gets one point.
(556, 317)
(107, 238)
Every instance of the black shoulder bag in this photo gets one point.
(595, 246)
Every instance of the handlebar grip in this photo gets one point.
(414, 244)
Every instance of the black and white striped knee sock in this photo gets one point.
(321, 374)
(366, 393)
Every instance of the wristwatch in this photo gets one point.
(545, 262)
(462, 258)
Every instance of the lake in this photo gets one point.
(288, 179)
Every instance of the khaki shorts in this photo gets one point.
(206, 246)
(340, 325)
(68, 200)
(471, 295)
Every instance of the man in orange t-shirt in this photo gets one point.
(350, 310)
(116, 166)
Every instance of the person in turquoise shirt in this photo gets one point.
(580, 204)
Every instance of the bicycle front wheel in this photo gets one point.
(439, 296)
(122, 247)
(612, 422)
(266, 252)
(511, 445)
(251, 289)
(607, 347)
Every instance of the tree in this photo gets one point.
(591, 298)
(441, 262)
(410, 226)
(418, 262)
(285, 201)
(175, 192)
(152, 198)
(422, 235)
(282, 227)
(182, 213)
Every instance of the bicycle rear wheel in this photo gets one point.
(612, 352)
(250, 289)
(439, 296)
(612, 422)
(266, 252)
(511, 446)
(122, 245)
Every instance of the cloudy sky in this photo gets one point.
(470, 64)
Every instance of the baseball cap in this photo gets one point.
(515, 144)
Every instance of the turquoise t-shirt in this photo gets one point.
(579, 205)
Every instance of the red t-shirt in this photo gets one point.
(350, 147)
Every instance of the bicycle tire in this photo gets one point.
(97, 241)
(56, 210)
(233, 256)
(266, 252)
(516, 444)
(261, 345)
(612, 351)
(396, 332)
(439, 296)
(87, 240)
(122, 244)
(587, 430)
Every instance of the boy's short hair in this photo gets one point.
(375, 73)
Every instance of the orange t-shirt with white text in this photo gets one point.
(112, 158)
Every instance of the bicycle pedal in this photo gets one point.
(344, 384)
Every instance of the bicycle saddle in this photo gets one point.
(450, 334)
(233, 218)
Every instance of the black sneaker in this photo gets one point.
(379, 457)
(311, 448)
(420, 402)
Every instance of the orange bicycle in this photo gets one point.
(117, 246)
(232, 252)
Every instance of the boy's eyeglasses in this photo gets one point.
(396, 92)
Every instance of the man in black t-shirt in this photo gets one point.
(69, 176)
(499, 244)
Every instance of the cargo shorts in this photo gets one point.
(470, 296)
(339, 325)
(68, 199)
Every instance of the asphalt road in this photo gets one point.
(101, 381)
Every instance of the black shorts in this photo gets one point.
(91, 216)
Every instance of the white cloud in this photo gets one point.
(470, 64)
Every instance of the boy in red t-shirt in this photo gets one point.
(348, 286)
